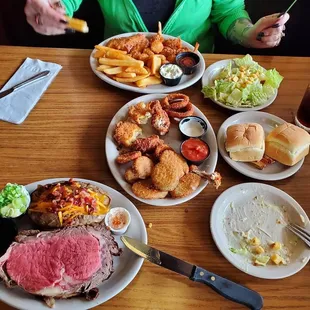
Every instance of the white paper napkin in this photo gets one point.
(15, 107)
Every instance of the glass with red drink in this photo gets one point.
(302, 118)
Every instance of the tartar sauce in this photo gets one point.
(171, 71)
(192, 129)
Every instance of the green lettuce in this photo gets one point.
(14, 200)
(273, 78)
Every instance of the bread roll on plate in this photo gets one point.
(245, 142)
(287, 144)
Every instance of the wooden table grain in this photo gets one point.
(64, 137)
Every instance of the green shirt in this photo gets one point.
(191, 20)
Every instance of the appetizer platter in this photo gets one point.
(147, 62)
(249, 226)
(241, 84)
(69, 224)
(247, 143)
(161, 149)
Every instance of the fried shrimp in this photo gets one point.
(140, 113)
(146, 145)
(187, 185)
(142, 167)
(126, 133)
(130, 176)
(146, 190)
(127, 157)
(160, 118)
(157, 41)
(165, 176)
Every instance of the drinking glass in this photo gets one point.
(302, 118)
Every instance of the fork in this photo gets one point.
(302, 233)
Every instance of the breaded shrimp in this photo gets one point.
(145, 189)
(127, 157)
(146, 145)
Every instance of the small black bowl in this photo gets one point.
(192, 119)
(193, 162)
(170, 82)
(188, 69)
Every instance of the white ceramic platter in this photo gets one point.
(236, 207)
(173, 138)
(186, 81)
(268, 121)
(210, 75)
(126, 266)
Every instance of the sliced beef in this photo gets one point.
(60, 263)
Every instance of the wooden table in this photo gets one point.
(64, 137)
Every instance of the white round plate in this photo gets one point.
(208, 79)
(268, 121)
(242, 196)
(173, 138)
(126, 266)
(186, 81)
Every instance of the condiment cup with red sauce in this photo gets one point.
(188, 61)
(192, 127)
(118, 220)
(195, 151)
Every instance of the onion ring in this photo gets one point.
(175, 101)
(185, 112)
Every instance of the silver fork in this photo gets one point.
(302, 233)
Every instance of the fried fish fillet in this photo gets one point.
(187, 185)
(143, 167)
(165, 176)
(129, 43)
(146, 190)
(126, 133)
(170, 157)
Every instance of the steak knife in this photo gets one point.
(222, 286)
(36, 77)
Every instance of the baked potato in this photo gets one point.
(68, 203)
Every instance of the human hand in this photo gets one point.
(46, 16)
(267, 32)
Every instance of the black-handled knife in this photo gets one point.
(224, 287)
(34, 78)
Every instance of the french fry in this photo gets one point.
(118, 55)
(121, 62)
(99, 53)
(130, 80)
(77, 24)
(126, 75)
(105, 48)
(155, 64)
(151, 80)
(114, 70)
(137, 70)
(157, 75)
(103, 67)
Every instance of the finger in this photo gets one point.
(45, 10)
(271, 40)
(272, 31)
(270, 20)
(58, 6)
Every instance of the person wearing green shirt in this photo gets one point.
(190, 19)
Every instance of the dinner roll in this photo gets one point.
(245, 142)
(287, 144)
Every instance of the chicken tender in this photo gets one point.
(170, 157)
(187, 185)
(131, 176)
(127, 157)
(136, 42)
(143, 167)
(146, 145)
(165, 176)
(140, 113)
(146, 190)
(160, 118)
(126, 133)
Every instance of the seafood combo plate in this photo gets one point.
(144, 157)
(140, 54)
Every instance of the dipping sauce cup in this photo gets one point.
(171, 74)
(192, 127)
(188, 61)
(195, 151)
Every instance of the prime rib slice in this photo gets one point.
(60, 263)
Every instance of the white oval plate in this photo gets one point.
(173, 138)
(268, 121)
(242, 194)
(209, 77)
(186, 81)
(126, 266)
